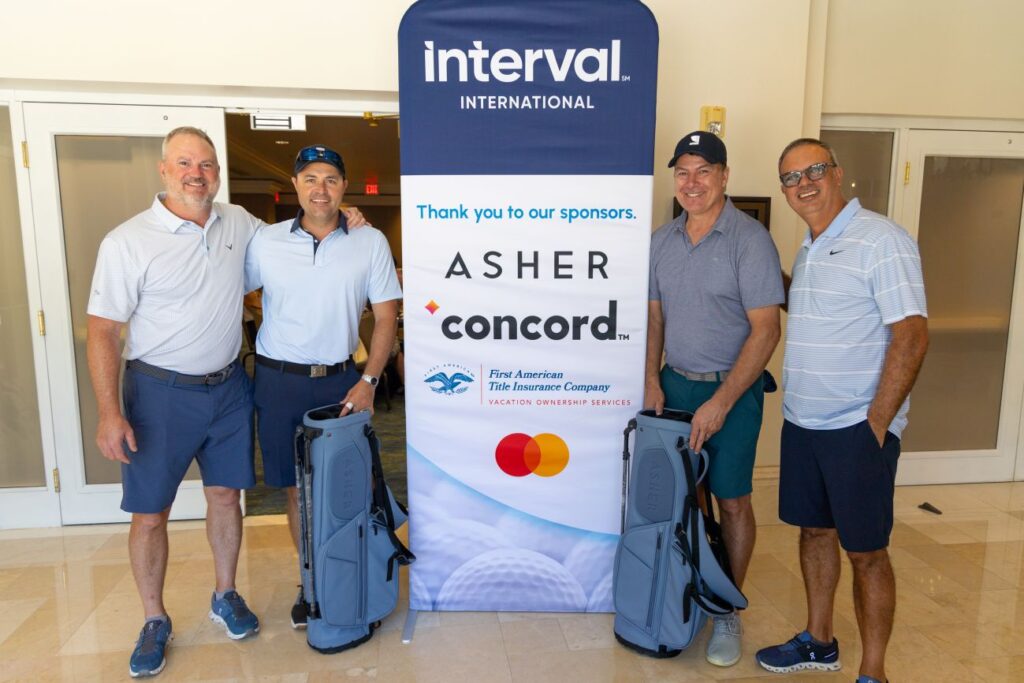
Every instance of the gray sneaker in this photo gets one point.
(725, 645)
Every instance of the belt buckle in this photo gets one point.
(317, 370)
(215, 377)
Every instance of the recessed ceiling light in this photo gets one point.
(282, 142)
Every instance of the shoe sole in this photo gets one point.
(298, 626)
(722, 663)
(153, 672)
(803, 666)
(217, 619)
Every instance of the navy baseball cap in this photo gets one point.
(702, 143)
(314, 153)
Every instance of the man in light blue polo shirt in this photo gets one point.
(317, 276)
(856, 338)
(714, 293)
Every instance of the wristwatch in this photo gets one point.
(371, 380)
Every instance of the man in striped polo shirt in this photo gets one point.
(856, 338)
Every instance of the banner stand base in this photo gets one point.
(410, 626)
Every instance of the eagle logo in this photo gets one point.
(449, 385)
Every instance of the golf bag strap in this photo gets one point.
(689, 530)
(303, 471)
(630, 427)
(402, 554)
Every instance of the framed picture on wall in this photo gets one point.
(759, 208)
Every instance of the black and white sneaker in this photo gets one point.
(300, 612)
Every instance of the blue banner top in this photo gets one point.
(528, 87)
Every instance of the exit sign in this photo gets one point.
(372, 188)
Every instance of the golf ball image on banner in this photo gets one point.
(521, 454)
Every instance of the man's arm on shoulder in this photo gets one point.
(354, 218)
(654, 397)
(765, 331)
(903, 358)
(385, 327)
(103, 347)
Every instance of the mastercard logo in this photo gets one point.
(521, 454)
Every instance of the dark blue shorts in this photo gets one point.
(282, 398)
(174, 423)
(839, 479)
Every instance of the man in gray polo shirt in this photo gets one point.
(715, 289)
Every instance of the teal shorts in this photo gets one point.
(733, 448)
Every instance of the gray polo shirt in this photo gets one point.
(706, 289)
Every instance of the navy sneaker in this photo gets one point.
(150, 654)
(799, 654)
(234, 615)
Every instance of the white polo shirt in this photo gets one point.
(178, 285)
(312, 300)
(858, 277)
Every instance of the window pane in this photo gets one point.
(21, 448)
(968, 234)
(866, 159)
(103, 182)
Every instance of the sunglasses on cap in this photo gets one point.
(317, 153)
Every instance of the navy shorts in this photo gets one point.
(282, 398)
(839, 479)
(174, 423)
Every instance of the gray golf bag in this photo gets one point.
(348, 551)
(671, 569)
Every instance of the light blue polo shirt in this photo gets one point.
(312, 299)
(858, 277)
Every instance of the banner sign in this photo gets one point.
(527, 153)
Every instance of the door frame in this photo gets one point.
(80, 502)
(1002, 463)
(34, 506)
(40, 506)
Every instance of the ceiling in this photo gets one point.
(261, 161)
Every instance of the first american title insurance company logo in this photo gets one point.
(506, 65)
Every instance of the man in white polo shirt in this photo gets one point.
(174, 275)
(856, 338)
(317, 276)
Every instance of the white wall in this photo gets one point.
(955, 58)
(317, 44)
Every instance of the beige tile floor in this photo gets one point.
(68, 609)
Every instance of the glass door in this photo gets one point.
(963, 202)
(92, 167)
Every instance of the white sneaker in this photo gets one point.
(725, 646)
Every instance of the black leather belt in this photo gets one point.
(210, 379)
(302, 369)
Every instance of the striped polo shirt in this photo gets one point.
(858, 277)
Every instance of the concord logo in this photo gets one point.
(508, 66)
(532, 327)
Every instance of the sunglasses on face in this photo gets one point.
(813, 172)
